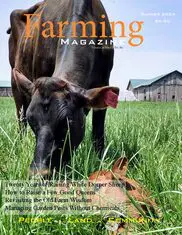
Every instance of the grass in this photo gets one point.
(149, 134)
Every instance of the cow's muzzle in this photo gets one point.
(43, 151)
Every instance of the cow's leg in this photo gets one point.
(98, 121)
(98, 118)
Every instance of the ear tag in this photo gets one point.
(111, 99)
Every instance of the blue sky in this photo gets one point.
(161, 51)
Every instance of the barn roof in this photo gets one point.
(137, 82)
(146, 82)
(5, 84)
(150, 81)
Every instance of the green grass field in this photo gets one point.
(149, 134)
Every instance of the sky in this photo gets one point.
(160, 53)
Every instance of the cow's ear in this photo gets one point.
(23, 83)
(120, 166)
(102, 97)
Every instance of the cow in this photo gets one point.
(55, 85)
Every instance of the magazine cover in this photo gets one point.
(90, 117)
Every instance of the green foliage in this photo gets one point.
(149, 134)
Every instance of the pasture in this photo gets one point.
(149, 134)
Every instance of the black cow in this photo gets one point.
(54, 85)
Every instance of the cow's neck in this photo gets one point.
(75, 65)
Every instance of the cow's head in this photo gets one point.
(57, 106)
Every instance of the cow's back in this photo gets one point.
(39, 56)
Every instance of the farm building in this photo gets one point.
(167, 87)
(5, 88)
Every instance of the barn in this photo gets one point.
(167, 87)
(5, 89)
